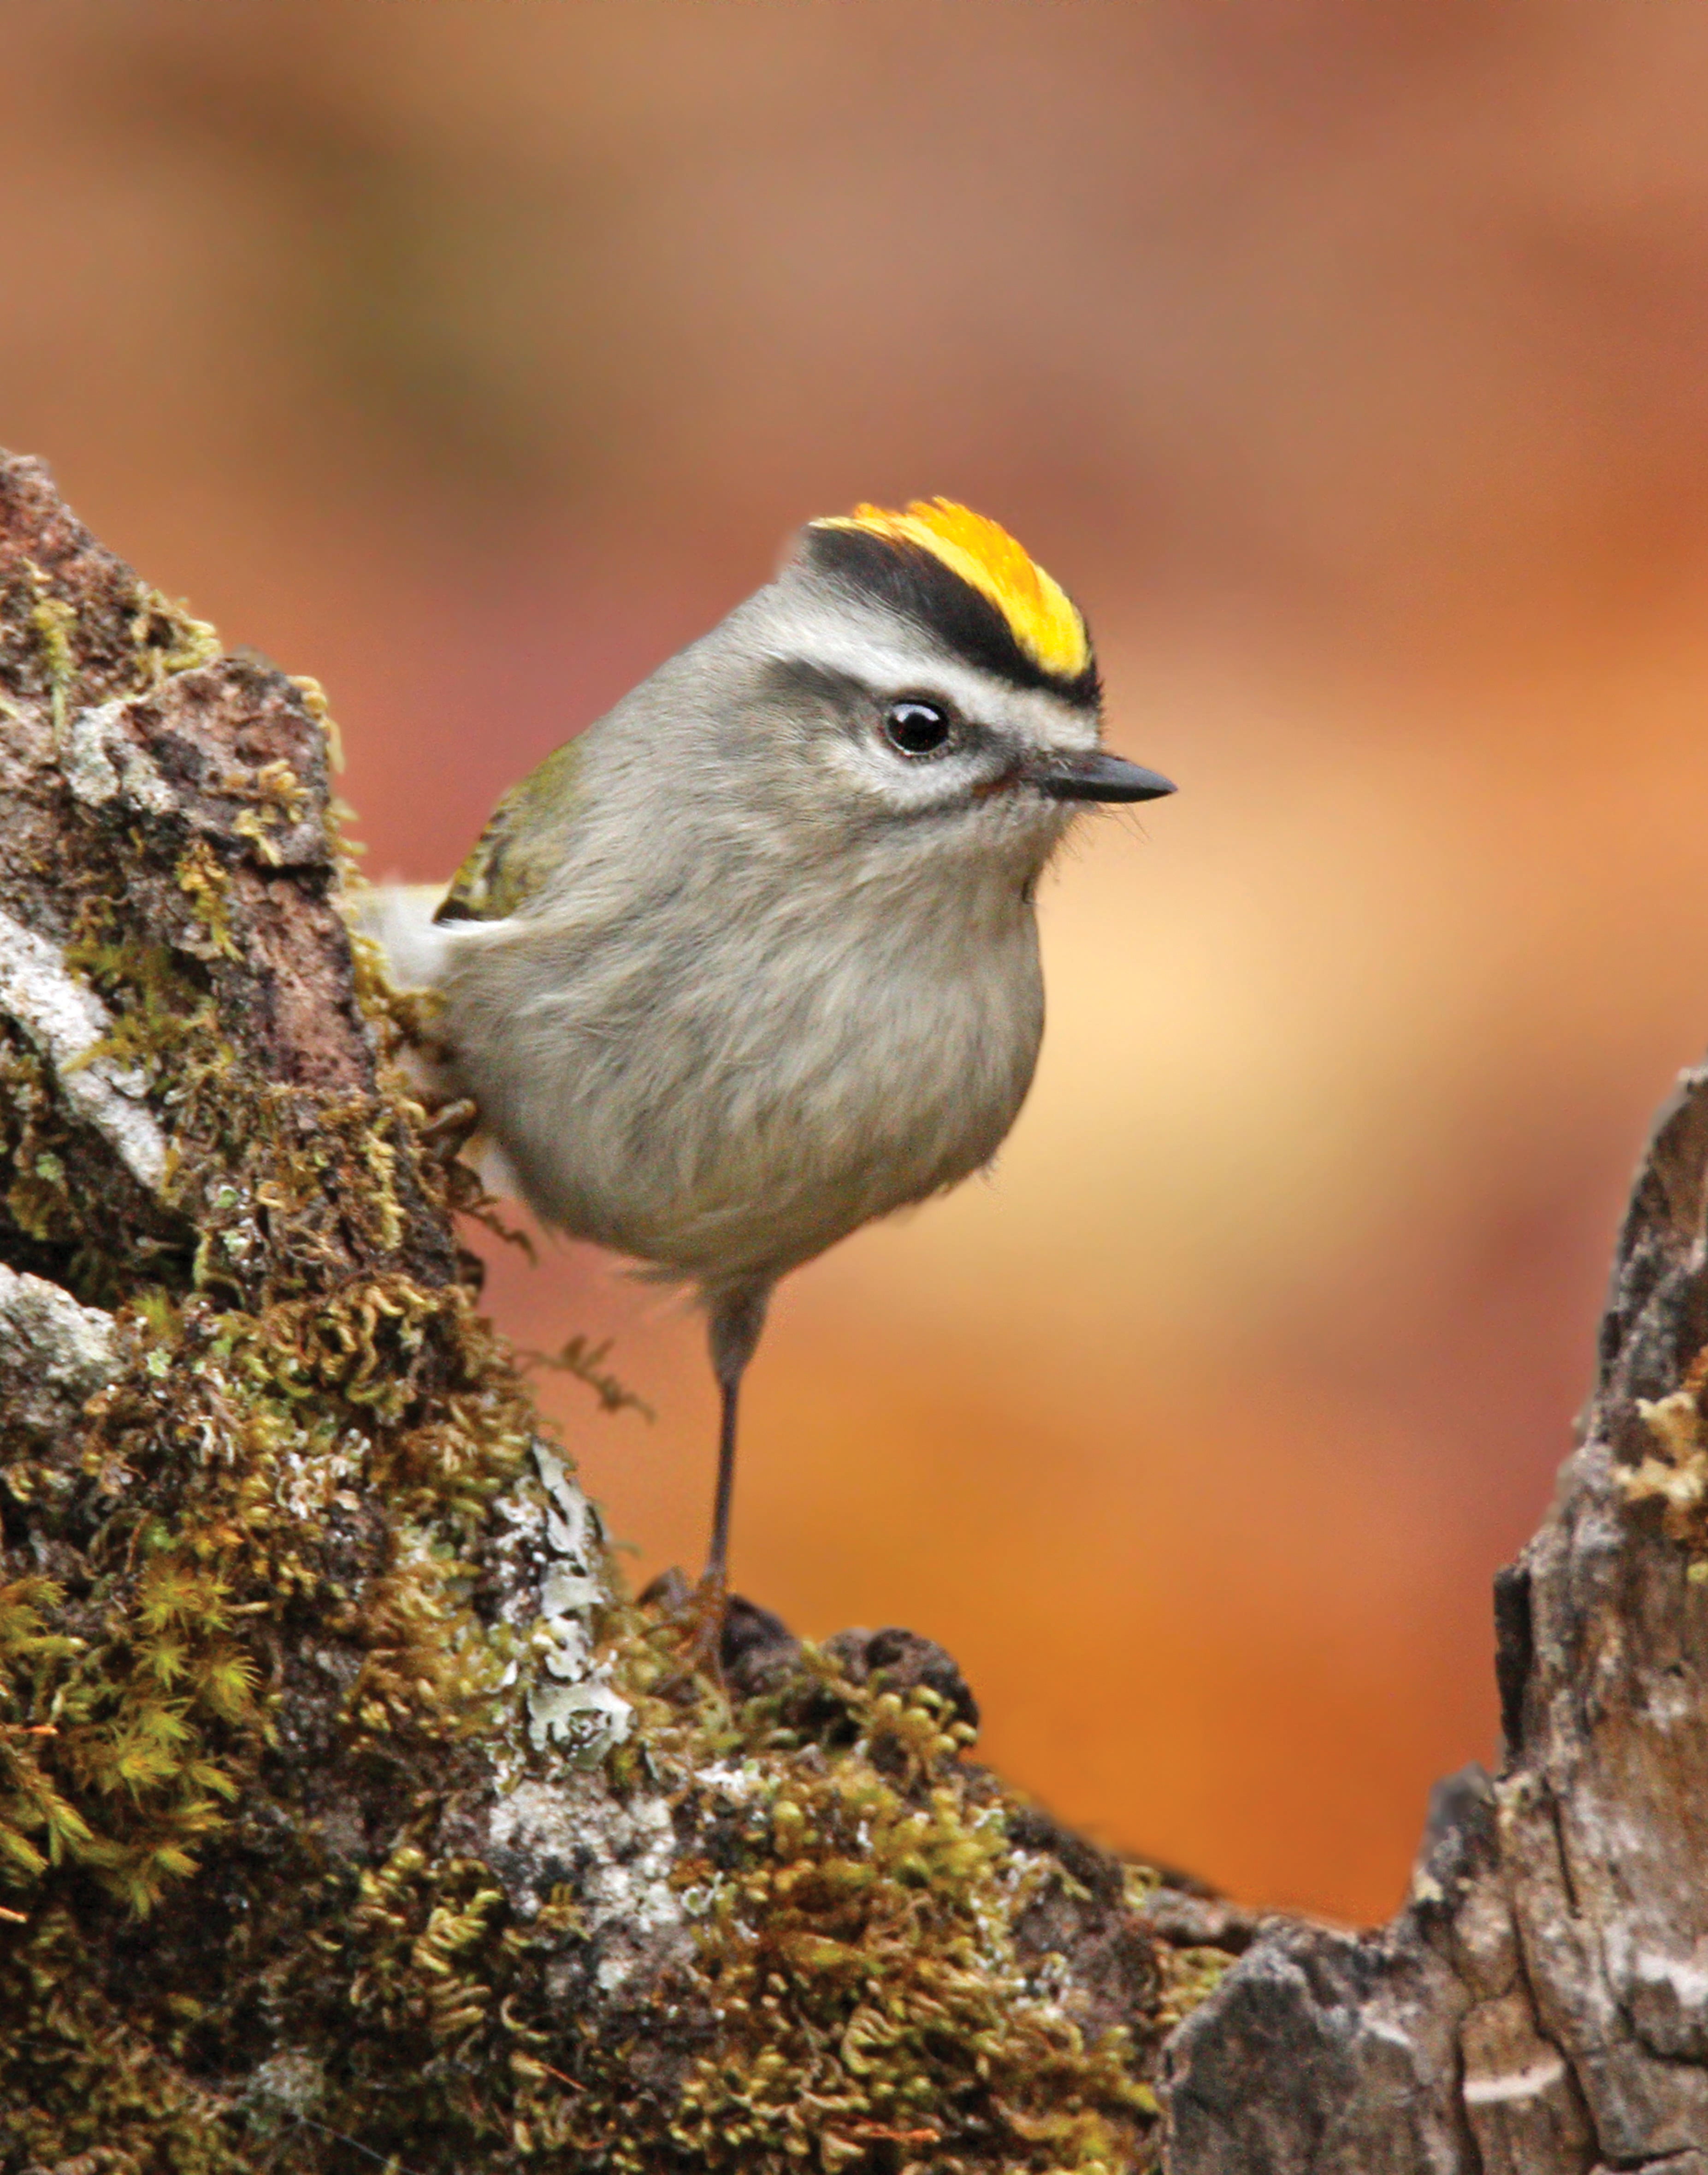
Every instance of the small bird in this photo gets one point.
(754, 959)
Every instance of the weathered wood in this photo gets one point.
(1541, 2005)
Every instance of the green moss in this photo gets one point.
(80, 2078)
(858, 1902)
(166, 639)
(38, 1824)
(51, 619)
(290, 1360)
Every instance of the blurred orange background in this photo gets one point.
(1349, 364)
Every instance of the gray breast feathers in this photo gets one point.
(723, 1097)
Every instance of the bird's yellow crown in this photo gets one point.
(1043, 618)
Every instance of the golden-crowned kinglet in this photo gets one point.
(754, 959)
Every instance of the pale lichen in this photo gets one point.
(1674, 1472)
(71, 1028)
(55, 1352)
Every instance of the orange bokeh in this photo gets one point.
(1347, 366)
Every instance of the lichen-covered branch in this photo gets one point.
(346, 1806)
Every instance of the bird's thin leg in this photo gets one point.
(737, 1319)
(718, 1561)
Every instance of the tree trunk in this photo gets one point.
(350, 1813)
(1541, 2005)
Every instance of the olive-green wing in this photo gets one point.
(530, 834)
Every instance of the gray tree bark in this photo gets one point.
(348, 1812)
(1541, 2005)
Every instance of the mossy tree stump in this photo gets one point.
(340, 1812)
(344, 1818)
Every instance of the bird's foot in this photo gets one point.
(697, 1614)
(451, 1125)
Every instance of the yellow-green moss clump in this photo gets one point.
(284, 1362)
(862, 1916)
(342, 1812)
(258, 1548)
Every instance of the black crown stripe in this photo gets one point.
(909, 580)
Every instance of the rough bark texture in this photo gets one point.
(1541, 2006)
(347, 1808)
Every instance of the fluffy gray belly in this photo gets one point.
(725, 1109)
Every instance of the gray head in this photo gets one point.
(915, 678)
(912, 696)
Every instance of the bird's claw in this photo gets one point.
(699, 1614)
(451, 1126)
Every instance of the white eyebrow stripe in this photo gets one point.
(868, 646)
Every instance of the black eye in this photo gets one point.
(916, 729)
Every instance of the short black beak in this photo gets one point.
(1095, 776)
